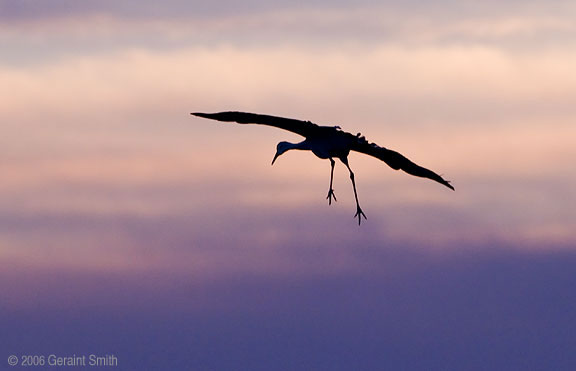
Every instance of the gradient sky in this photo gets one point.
(128, 227)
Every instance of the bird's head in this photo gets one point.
(281, 148)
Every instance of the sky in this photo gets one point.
(130, 228)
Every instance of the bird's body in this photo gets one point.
(328, 142)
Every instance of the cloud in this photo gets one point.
(75, 27)
(483, 81)
(515, 110)
(406, 309)
(222, 228)
(108, 134)
(111, 134)
(174, 8)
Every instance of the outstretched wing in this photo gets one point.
(396, 161)
(304, 128)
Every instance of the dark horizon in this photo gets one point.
(403, 307)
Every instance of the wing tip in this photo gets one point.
(219, 116)
(447, 184)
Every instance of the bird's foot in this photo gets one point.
(359, 214)
(331, 196)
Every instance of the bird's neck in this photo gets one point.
(304, 145)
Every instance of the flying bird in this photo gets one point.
(328, 142)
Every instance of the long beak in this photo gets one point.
(275, 157)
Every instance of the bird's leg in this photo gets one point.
(331, 191)
(359, 212)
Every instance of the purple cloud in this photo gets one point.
(409, 309)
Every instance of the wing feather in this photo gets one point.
(396, 161)
(304, 128)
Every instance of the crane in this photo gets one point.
(328, 142)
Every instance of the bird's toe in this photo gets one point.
(360, 214)
(331, 196)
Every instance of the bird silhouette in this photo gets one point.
(328, 142)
